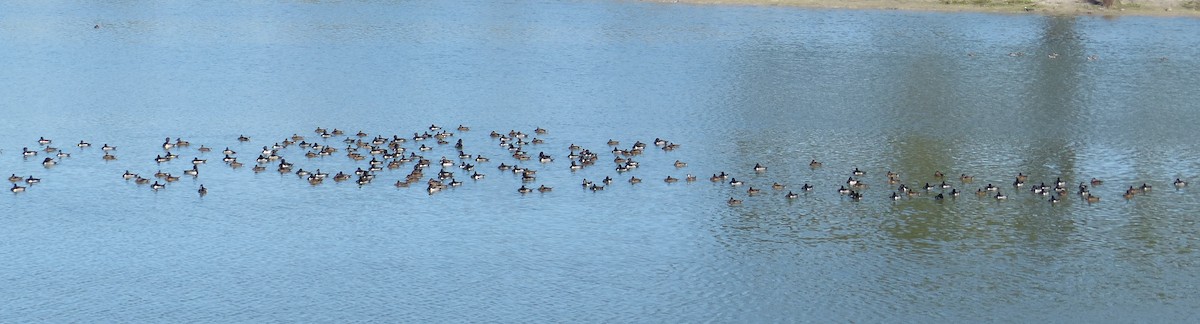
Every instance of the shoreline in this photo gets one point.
(1152, 8)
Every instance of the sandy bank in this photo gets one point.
(1185, 8)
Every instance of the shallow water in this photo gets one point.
(880, 91)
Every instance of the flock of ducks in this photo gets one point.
(373, 154)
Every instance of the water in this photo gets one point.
(881, 91)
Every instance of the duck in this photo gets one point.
(777, 186)
(1097, 182)
(1092, 198)
(966, 178)
(243, 138)
(634, 180)
(48, 162)
(160, 159)
(32, 180)
(1054, 199)
(198, 161)
(857, 172)
(843, 190)
(1179, 183)
(735, 182)
(752, 191)
(203, 191)
(83, 144)
(814, 164)
(733, 202)
(194, 171)
(544, 188)
(759, 168)
(954, 192)
(1146, 187)
(109, 157)
(690, 178)
(156, 186)
(228, 151)
(806, 187)
(1000, 196)
(128, 175)
(43, 141)
(107, 147)
(463, 128)
(26, 152)
(791, 195)
(167, 145)
(680, 164)
(895, 196)
(15, 188)
(671, 179)
(938, 174)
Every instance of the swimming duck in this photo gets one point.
(966, 178)
(671, 179)
(1097, 182)
(1146, 187)
(106, 147)
(857, 172)
(26, 152)
(15, 188)
(43, 141)
(814, 164)
(895, 196)
(1179, 183)
(634, 180)
(48, 162)
(938, 174)
(843, 190)
(193, 172)
(167, 144)
(203, 191)
(680, 164)
(160, 159)
(243, 138)
(32, 180)
(752, 191)
(806, 187)
(777, 186)
(83, 144)
(690, 178)
(544, 188)
(735, 182)
(109, 157)
(733, 202)
(156, 186)
(759, 168)
(791, 195)
(1001, 196)
(1054, 199)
